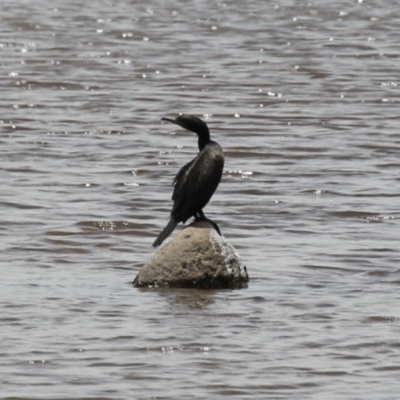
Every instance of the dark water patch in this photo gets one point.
(380, 319)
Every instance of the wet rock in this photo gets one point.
(196, 257)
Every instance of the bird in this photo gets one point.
(196, 181)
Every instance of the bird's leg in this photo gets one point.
(202, 216)
(199, 216)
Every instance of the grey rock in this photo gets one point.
(196, 257)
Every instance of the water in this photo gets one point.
(304, 100)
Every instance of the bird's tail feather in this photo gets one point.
(165, 232)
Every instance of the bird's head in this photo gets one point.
(193, 124)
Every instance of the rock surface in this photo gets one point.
(196, 257)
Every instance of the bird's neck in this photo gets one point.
(204, 138)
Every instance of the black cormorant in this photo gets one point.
(197, 181)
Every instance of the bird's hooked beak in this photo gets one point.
(173, 121)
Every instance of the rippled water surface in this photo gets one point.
(304, 99)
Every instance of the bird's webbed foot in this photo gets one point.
(199, 216)
(215, 225)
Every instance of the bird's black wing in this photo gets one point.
(180, 179)
(197, 182)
